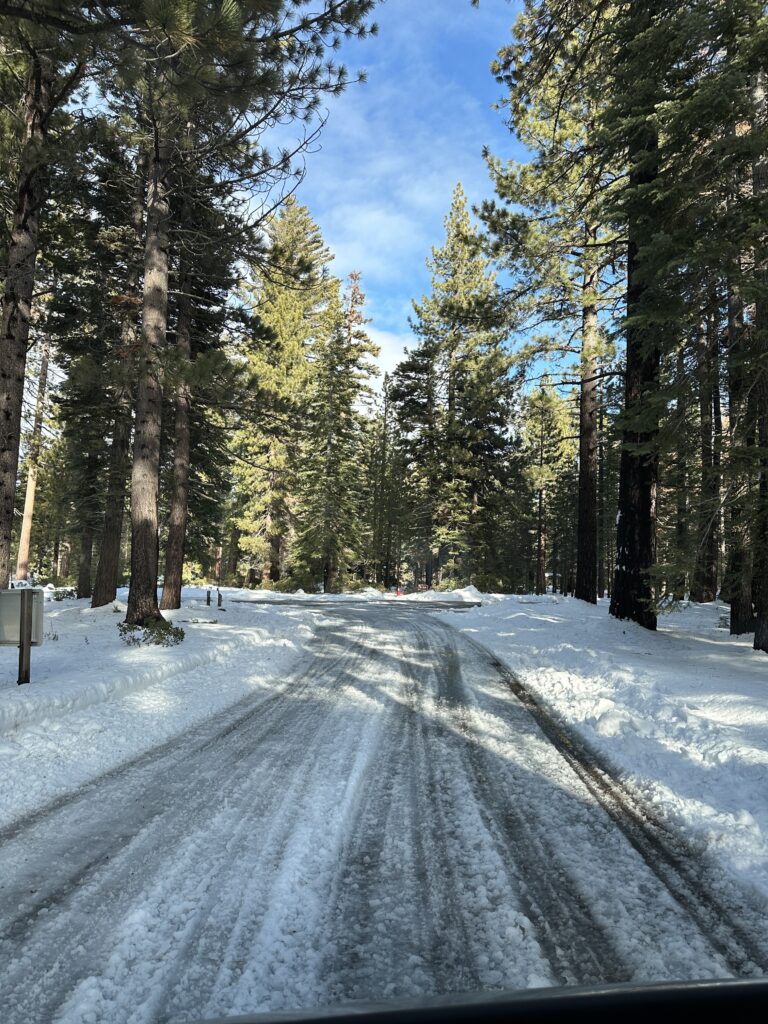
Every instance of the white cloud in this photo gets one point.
(380, 182)
(391, 345)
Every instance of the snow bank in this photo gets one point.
(682, 713)
(95, 703)
(463, 594)
(83, 661)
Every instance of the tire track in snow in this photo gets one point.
(385, 820)
(144, 814)
(397, 929)
(252, 946)
(717, 909)
(577, 947)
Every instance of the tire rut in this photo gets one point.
(578, 948)
(714, 904)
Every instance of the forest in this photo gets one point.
(188, 391)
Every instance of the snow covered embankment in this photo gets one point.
(95, 703)
(682, 713)
(82, 660)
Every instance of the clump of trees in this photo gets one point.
(633, 238)
(584, 406)
(137, 173)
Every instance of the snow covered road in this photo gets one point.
(392, 822)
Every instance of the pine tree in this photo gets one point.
(453, 395)
(389, 502)
(552, 232)
(289, 296)
(196, 372)
(32, 462)
(122, 383)
(274, 69)
(547, 455)
(51, 68)
(330, 527)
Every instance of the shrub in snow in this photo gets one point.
(161, 633)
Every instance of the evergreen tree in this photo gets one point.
(50, 66)
(289, 297)
(547, 457)
(453, 396)
(275, 68)
(388, 505)
(552, 231)
(330, 529)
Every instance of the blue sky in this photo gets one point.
(393, 149)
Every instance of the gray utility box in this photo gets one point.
(10, 617)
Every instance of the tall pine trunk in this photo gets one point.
(680, 581)
(271, 568)
(234, 554)
(633, 595)
(39, 101)
(738, 575)
(586, 528)
(330, 575)
(760, 580)
(108, 567)
(145, 474)
(177, 523)
(704, 587)
(760, 365)
(601, 504)
(86, 559)
(33, 460)
(541, 553)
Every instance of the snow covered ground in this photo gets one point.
(95, 703)
(312, 800)
(683, 713)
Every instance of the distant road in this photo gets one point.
(392, 821)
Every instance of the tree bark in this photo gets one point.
(108, 568)
(270, 570)
(330, 576)
(33, 460)
(145, 474)
(234, 554)
(633, 592)
(586, 528)
(275, 555)
(737, 585)
(760, 367)
(86, 560)
(541, 578)
(760, 580)
(177, 523)
(680, 581)
(65, 553)
(704, 587)
(19, 288)
(603, 529)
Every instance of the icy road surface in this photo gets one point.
(395, 822)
